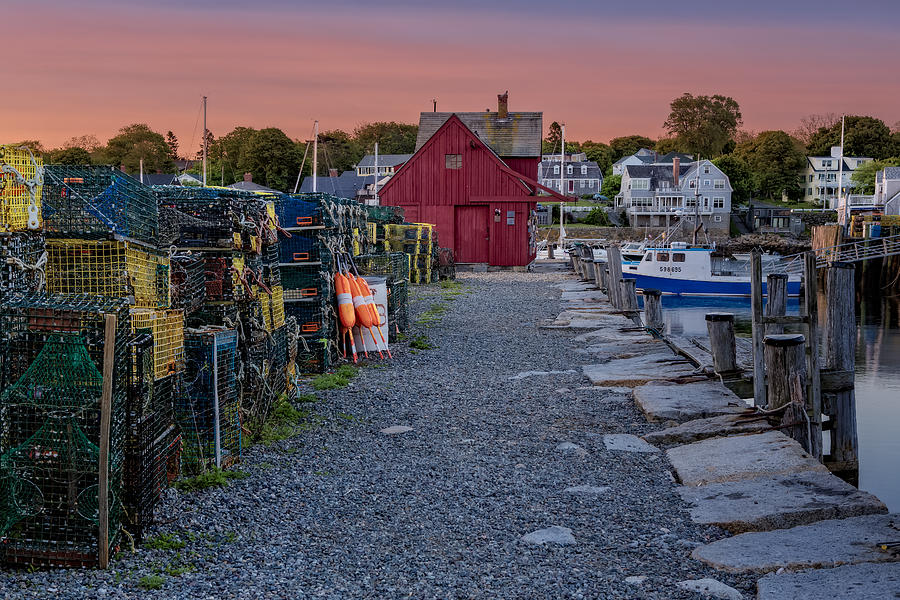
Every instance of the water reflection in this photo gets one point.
(877, 376)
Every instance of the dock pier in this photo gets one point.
(741, 424)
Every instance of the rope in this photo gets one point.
(37, 268)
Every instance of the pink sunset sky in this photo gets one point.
(93, 66)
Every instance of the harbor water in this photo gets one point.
(877, 377)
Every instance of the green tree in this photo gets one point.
(68, 156)
(863, 177)
(863, 136)
(88, 142)
(628, 145)
(339, 150)
(550, 144)
(272, 158)
(34, 145)
(611, 186)
(703, 125)
(774, 159)
(599, 153)
(135, 143)
(392, 137)
(738, 174)
(669, 144)
(172, 142)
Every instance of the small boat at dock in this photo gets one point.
(682, 271)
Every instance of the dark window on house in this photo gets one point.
(662, 257)
(678, 257)
(453, 161)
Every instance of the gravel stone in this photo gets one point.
(343, 511)
(394, 430)
(550, 535)
(710, 588)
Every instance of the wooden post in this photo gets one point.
(550, 255)
(786, 367)
(776, 301)
(840, 354)
(721, 342)
(811, 311)
(589, 269)
(629, 295)
(653, 315)
(109, 354)
(598, 274)
(614, 262)
(756, 299)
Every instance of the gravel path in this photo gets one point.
(345, 511)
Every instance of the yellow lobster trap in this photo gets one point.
(109, 268)
(21, 185)
(167, 329)
(272, 308)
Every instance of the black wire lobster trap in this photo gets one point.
(89, 202)
(51, 374)
(23, 261)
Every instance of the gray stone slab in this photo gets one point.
(701, 429)
(820, 545)
(584, 319)
(778, 502)
(740, 457)
(710, 588)
(526, 374)
(623, 348)
(396, 429)
(625, 442)
(594, 295)
(550, 535)
(623, 332)
(686, 402)
(867, 581)
(574, 286)
(638, 370)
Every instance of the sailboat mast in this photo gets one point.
(376, 173)
(562, 183)
(205, 142)
(315, 154)
(696, 205)
(846, 211)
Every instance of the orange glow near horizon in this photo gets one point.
(110, 65)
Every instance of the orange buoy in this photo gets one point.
(363, 316)
(369, 296)
(345, 310)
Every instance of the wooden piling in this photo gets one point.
(109, 344)
(599, 271)
(776, 301)
(756, 299)
(653, 315)
(840, 354)
(629, 297)
(785, 357)
(721, 342)
(614, 269)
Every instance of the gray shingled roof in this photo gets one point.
(384, 160)
(517, 135)
(344, 186)
(249, 186)
(654, 158)
(656, 173)
(892, 172)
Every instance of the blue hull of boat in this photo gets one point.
(694, 287)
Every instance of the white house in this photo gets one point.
(819, 179)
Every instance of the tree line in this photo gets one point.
(762, 164)
(269, 154)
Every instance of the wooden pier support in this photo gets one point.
(756, 301)
(721, 342)
(839, 396)
(629, 297)
(614, 275)
(776, 301)
(785, 356)
(653, 314)
(600, 275)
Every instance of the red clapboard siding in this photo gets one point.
(472, 234)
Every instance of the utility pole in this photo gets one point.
(315, 154)
(205, 142)
(846, 211)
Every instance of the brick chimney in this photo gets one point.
(676, 167)
(248, 177)
(123, 169)
(332, 173)
(503, 105)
